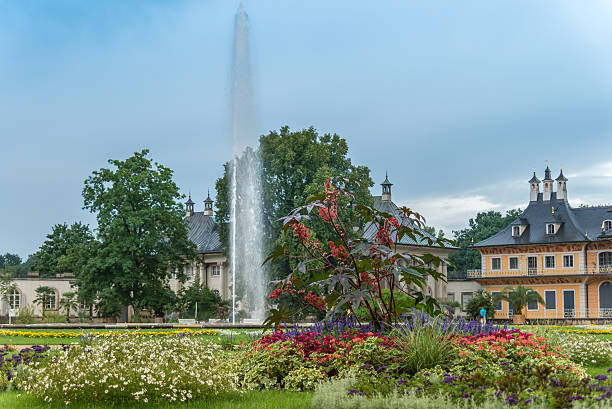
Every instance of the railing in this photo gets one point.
(539, 271)
(475, 273)
(568, 313)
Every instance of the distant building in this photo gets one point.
(383, 203)
(563, 253)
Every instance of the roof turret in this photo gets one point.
(561, 178)
(534, 179)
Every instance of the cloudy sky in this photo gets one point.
(459, 101)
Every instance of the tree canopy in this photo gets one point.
(485, 225)
(142, 235)
(9, 259)
(54, 254)
(295, 166)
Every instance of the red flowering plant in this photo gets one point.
(363, 258)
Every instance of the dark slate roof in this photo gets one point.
(574, 223)
(386, 181)
(547, 173)
(534, 179)
(204, 232)
(388, 206)
(561, 178)
(189, 201)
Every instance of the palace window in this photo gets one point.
(189, 271)
(496, 263)
(605, 259)
(215, 270)
(549, 261)
(450, 297)
(14, 300)
(568, 261)
(516, 231)
(550, 228)
(498, 305)
(607, 224)
(550, 298)
(514, 263)
(465, 298)
(51, 301)
(532, 305)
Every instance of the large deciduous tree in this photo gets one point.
(295, 166)
(54, 256)
(142, 235)
(485, 225)
(9, 259)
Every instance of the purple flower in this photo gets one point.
(382, 368)
(609, 370)
(512, 400)
(577, 397)
(426, 374)
(352, 391)
(601, 377)
(601, 389)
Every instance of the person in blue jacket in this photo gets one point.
(483, 316)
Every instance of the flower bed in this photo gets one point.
(66, 334)
(128, 369)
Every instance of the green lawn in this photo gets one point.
(249, 400)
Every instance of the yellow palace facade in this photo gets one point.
(563, 253)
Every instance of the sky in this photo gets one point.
(458, 101)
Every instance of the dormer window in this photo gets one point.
(607, 225)
(550, 228)
(516, 231)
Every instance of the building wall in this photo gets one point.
(27, 287)
(461, 290)
(583, 277)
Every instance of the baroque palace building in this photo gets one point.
(563, 253)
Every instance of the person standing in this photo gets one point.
(483, 316)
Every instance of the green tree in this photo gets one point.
(53, 257)
(42, 297)
(519, 297)
(142, 235)
(432, 230)
(69, 302)
(9, 259)
(481, 299)
(485, 225)
(207, 302)
(295, 166)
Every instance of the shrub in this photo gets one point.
(51, 317)
(301, 361)
(26, 315)
(126, 369)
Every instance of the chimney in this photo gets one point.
(561, 186)
(189, 206)
(548, 184)
(208, 203)
(534, 182)
(386, 189)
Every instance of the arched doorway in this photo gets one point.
(605, 299)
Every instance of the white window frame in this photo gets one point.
(571, 257)
(449, 296)
(545, 306)
(215, 270)
(15, 294)
(518, 263)
(51, 306)
(546, 257)
(500, 263)
(537, 304)
(464, 302)
(607, 224)
(548, 227)
(516, 231)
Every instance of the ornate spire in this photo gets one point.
(534, 179)
(386, 188)
(561, 178)
(547, 172)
